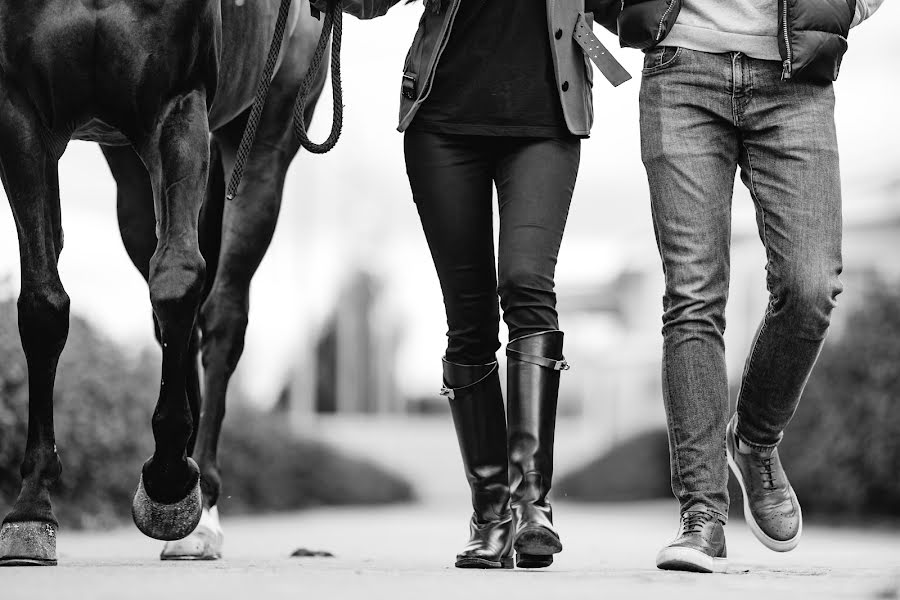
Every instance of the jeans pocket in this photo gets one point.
(660, 58)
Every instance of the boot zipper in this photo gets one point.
(659, 30)
(787, 64)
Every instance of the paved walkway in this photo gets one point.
(403, 553)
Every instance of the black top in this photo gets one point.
(495, 76)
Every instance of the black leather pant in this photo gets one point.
(452, 177)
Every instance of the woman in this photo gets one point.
(496, 92)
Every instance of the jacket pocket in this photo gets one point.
(643, 24)
(660, 58)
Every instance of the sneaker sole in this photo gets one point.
(688, 559)
(758, 533)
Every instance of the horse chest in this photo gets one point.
(113, 59)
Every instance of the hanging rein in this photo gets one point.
(333, 23)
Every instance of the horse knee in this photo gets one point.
(43, 319)
(176, 286)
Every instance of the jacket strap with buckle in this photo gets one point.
(614, 72)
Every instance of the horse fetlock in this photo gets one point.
(169, 482)
(42, 467)
(33, 502)
(210, 484)
(172, 425)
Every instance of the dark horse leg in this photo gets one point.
(247, 226)
(137, 226)
(167, 504)
(28, 165)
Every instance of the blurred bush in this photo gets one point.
(636, 469)
(102, 406)
(841, 450)
(264, 467)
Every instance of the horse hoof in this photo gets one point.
(204, 543)
(167, 522)
(28, 543)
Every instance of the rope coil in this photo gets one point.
(333, 23)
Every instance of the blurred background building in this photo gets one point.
(347, 326)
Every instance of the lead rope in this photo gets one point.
(333, 21)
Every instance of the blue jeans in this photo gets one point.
(702, 116)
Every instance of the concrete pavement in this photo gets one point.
(406, 552)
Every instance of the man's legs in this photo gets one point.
(690, 148)
(789, 162)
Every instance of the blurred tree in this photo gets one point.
(841, 450)
(102, 405)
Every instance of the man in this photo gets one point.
(725, 84)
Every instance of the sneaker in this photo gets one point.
(699, 547)
(771, 508)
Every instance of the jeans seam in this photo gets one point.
(748, 371)
(762, 210)
(734, 115)
(676, 457)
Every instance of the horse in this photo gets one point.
(165, 87)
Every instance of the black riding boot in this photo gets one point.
(533, 366)
(476, 403)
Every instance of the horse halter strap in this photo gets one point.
(333, 23)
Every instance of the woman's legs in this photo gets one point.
(535, 180)
(451, 179)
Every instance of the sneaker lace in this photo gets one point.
(766, 469)
(693, 521)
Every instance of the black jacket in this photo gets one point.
(812, 40)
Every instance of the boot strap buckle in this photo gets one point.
(450, 392)
(541, 361)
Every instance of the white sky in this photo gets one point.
(353, 206)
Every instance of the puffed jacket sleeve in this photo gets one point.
(361, 9)
(605, 12)
(864, 10)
